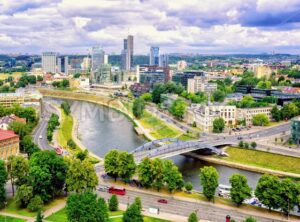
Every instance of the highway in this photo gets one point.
(41, 129)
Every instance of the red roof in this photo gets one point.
(7, 134)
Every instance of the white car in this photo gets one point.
(40, 137)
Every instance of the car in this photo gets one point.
(164, 201)
(103, 188)
(40, 137)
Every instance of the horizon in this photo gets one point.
(185, 27)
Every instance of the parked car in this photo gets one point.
(118, 191)
(164, 201)
(103, 188)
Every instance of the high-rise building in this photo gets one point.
(103, 74)
(86, 63)
(63, 64)
(97, 58)
(105, 59)
(163, 60)
(154, 56)
(49, 62)
(127, 53)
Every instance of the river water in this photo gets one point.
(101, 129)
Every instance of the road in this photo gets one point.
(182, 207)
(41, 129)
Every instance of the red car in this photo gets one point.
(162, 201)
(118, 191)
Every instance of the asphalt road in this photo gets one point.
(41, 129)
(207, 211)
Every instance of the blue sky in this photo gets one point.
(187, 26)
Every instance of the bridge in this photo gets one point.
(169, 147)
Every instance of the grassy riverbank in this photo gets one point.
(65, 130)
(263, 159)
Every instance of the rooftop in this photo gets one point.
(7, 134)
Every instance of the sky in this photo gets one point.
(176, 26)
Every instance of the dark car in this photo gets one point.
(164, 201)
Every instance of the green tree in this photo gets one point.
(241, 144)
(253, 145)
(39, 217)
(24, 195)
(82, 155)
(133, 213)
(188, 186)
(157, 173)
(103, 210)
(157, 91)
(40, 78)
(138, 107)
(268, 191)
(178, 108)
(3, 179)
(193, 217)
(81, 176)
(138, 202)
(264, 85)
(246, 145)
(289, 110)
(239, 189)
(218, 96)
(66, 107)
(35, 204)
(111, 163)
(172, 176)
(209, 179)
(260, 119)
(218, 125)
(249, 219)
(146, 97)
(71, 144)
(276, 114)
(19, 128)
(126, 166)
(29, 146)
(288, 195)
(113, 203)
(144, 171)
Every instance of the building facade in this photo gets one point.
(63, 64)
(182, 77)
(9, 144)
(163, 60)
(295, 130)
(98, 55)
(9, 99)
(198, 84)
(127, 53)
(49, 62)
(154, 56)
(247, 114)
(102, 74)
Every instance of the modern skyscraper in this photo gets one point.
(97, 58)
(163, 60)
(63, 64)
(154, 56)
(127, 53)
(49, 62)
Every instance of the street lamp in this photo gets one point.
(5, 203)
(128, 201)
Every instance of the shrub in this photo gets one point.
(35, 203)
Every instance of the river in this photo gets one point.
(101, 129)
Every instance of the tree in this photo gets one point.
(264, 85)
(24, 195)
(289, 110)
(126, 166)
(246, 145)
(3, 179)
(19, 128)
(113, 203)
(260, 119)
(71, 144)
(133, 213)
(81, 176)
(268, 191)
(253, 145)
(241, 144)
(35, 204)
(188, 186)
(66, 107)
(178, 108)
(39, 217)
(157, 173)
(29, 146)
(288, 195)
(40, 78)
(47, 174)
(193, 217)
(146, 97)
(157, 91)
(218, 96)
(209, 179)
(82, 155)
(138, 202)
(76, 75)
(86, 207)
(276, 114)
(144, 171)
(249, 219)
(138, 108)
(239, 189)
(218, 125)
(172, 176)
(111, 163)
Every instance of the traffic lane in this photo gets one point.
(207, 211)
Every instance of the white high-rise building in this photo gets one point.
(98, 55)
(163, 60)
(105, 59)
(86, 63)
(49, 62)
(127, 53)
(154, 56)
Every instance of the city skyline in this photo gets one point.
(194, 26)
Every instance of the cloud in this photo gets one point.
(205, 26)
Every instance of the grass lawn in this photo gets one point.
(263, 159)
(158, 128)
(4, 76)
(10, 219)
(59, 216)
(65, 130)
(187, 137)
(12, 207)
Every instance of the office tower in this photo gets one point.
(63, 64)
(102, 75)
(163, 60)
(154, 56)
(86, 63)
(49, 62)
(127, 53)
(97, 58)
(105, 59)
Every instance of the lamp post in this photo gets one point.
(5, 203)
